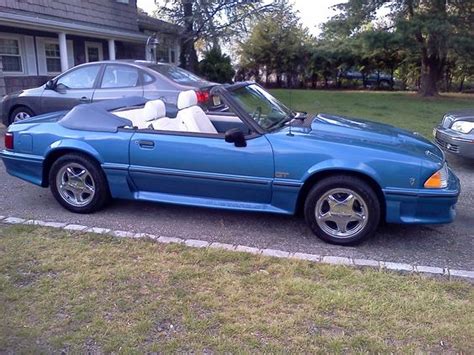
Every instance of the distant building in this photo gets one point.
(41, 38)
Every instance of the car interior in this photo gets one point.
(190, 117)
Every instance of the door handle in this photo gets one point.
(146, 144)
(84, 99)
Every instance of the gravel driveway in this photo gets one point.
(437, 245)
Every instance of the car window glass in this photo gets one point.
(147, 78)
(176, 73)
(119, 76)
(81, 78)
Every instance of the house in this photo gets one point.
(42, 38)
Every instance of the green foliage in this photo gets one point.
(425, 45)
(216, 66)
(277, 45)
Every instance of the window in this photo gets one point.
(176, 73)
(147, 78)
(123, 1)
(165, 50)
(81, 78)
(94, 52)
(11, 56)
(119, 76)
(53, 57)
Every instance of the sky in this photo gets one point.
(313, 13)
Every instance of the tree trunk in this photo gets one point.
(188, 57)
(429, 78)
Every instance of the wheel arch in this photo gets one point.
(57, 153)
(319, 175)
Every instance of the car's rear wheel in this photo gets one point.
(78, 183)
(20, 113)
(342, 210)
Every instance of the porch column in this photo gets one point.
(63, 51)
(111, 49)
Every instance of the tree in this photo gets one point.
(209, 20)
(216, 66)
(432, 25)
(276, 46)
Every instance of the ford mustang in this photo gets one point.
(345, 175)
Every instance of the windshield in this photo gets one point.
(264, 109)
(176, 73)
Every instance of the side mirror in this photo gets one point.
(236, 136)
(49, 85)
(61, 88)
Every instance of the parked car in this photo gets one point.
(99, 81)
(344, 174)
(455, 134)
(376, 78)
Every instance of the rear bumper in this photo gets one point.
(24, 166)
(423, 206)
(454, 142)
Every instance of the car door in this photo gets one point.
(201, 165)
(70, 89)
(117, 81)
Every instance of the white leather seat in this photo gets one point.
(141, 118)
(191, 116)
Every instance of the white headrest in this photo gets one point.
(154, 109)
(187, 99)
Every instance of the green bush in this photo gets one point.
(216, 66)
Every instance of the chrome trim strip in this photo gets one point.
(201, 175)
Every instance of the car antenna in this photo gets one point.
(291, 122)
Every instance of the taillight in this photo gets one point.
(9, 140)
(202, 97)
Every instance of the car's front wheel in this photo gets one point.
(342, 210)
(78, 183)
(20, 113)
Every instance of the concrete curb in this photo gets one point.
(195, 243)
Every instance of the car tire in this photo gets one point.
(20, 113)
(342, 210)
(78, 183)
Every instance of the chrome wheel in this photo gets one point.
(20, 116)
(75, 184)
(341, 213)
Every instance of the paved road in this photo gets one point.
(446, 245)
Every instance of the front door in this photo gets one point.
(200, 165)
(72, 88)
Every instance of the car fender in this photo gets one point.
(75, 145)
(343, 166)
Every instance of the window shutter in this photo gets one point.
(30, 56)
(41, 56)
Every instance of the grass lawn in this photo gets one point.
(82, 292)
(402, 109)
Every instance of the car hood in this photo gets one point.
(374, 134)
(461, 115)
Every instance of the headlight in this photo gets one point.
(463, 126)
(439, 180)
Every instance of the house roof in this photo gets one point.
(35, 21)
(146, 22)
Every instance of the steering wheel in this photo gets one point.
(258, 111)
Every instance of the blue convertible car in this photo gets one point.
(346, 175)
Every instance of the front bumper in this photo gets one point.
(423, 206)
(454, 142)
